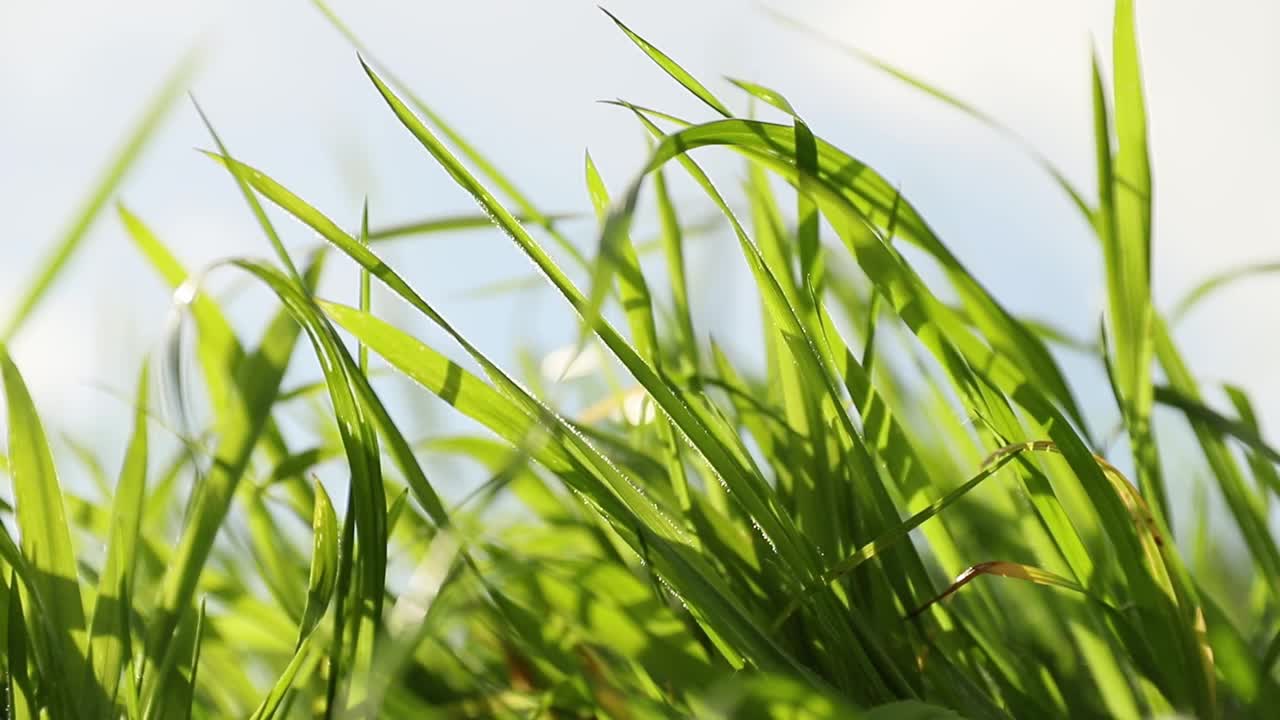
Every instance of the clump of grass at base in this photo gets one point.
(907, 515)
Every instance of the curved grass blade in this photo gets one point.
(1001, 568)
(879, 204)
(1215, 283)
(65, 247)
(359, 439)
(324, 563)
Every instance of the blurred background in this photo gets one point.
(520, 80)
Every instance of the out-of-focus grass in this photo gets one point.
(906, 516)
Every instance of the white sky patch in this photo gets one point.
(567, 363)
(638, 407)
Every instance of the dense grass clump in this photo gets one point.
(907, 516)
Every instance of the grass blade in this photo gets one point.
(109, 633)
(46, 546)
(673, 69)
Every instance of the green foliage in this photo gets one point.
(831, 539)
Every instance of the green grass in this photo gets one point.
(908, 515)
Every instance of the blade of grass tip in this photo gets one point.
(474, 156)
(109, 629)
(156, 111)
(603, 268)
(651, 112)
(251, 200)
(1129, 260)
(46, 545)
(947, 99)
(324, 563)
(1215, 283)
(673, 69)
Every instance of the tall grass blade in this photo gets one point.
(109, 631)
(55, 607)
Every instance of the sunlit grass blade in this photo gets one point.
(218, 351)
(109, 632)
(46, 547)
(70, 240)
(670, 66)
(1002, 568)
(1124, 221)
(633, 291)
